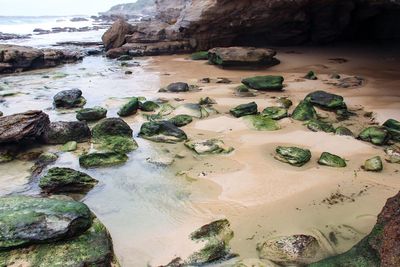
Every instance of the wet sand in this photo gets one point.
(151, 210)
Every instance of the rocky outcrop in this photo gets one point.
(242, 56)
(15, 58)
(115, 36)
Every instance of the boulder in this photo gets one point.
(242, 56)
(244, 110)
(341, 130)
(129, 108)
(293, 155)
(30, 220)
(23, 127)
(264, 83)
(69, 99)
(262, 123)
(373, 164)
(292, 250)
(326, 100)
(91, 114)
(115, 36)
(66, 180)
(304, 112)
(62, 132)
(393, 127)
(162, 131)
(331, 160)
(275, 113)
(181, 120)
(178, 87)
(320, 126)
(374, 134)
(106, 159)
(211, 146)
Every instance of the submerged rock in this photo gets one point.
(62, 132)
(376, 135)
(211, 146)
(320, 126)
(304, 112)
(43, 160)
(326, 100)
(106, 159)
(393, 127)
(311, 76)
(66, 180)
(149, 106)
(341, 130)
(69, 99)
(293, 155)
(129, 108)
(181, 120)
(201, 55)
(374, 164)
(29, 220)
(264, 83)
(331, 160)
(289, 250)
(275, 113)
(262, 123)
(244, 110)
(91, 114)
(242, 56)
(23, 127)
(196, 110)
(162, 131)
(178, 87)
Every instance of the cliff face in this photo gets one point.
(141, 7)
(169, 11)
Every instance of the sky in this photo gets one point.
(56, 7)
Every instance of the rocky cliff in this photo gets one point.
(139, 8)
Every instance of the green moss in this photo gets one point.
(261, 123)
(244, 110)
(311, 76)
(376, 135)
(264, 83)
(343, 131)
(149, 106)
(120, 144)
(320, 126)
(201, 55)
(181, 120)
(284, 102)
(106, 159)
(331, 160)
(293, 155)
(70, 146)
(111, 127)
(275, 113)
(129, 108)
(242, 89)
(304, 112)
(393, 127)
(162, 131)
(91, 114)
(374, 164)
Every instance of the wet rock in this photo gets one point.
(91, 114)
(149, 106)
(207, 101)
(379, 248)
(311, 76)
(181, 120)
(223, 80)
(293, 155)
(196, 110)
(23, 127)
(275, 113)
(178, 87)
(289, 250)
(29, 220)
(320, 126)
(341, 130)
(264, 83)
(106, 159)
(242, 56)
(331, 160)
(393, 127)
(69, 99)
(304, 112)
(211, 146)
(161, 160)
(326, 100)
(284, 102)
(162, 131)
(62, 132)
(376, 135)
(128, 72)
(373, 164)
(201, 55)
(244, 110)
(115, 36)
(393, 154)
(262, 123)
(350, 82)
(69, 146)
(66, 180)
(77, 251)
(129, 108)
(43, 160)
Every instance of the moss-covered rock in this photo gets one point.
(331, 160)
(275, 113)
(284, 102)
(70, 146)
(162, 131)
(373, 164)
(95, 160)
(29, 220)
(262, 123)
(341, 130)
(211, 146)
(311, 75)
(207, 101)
(393, 154)
(149, 106)
(196, 110)
(326, 100)
(265, 83)
(374, 134)
(201, 55)
(92, 248)
(129, 108)
(91, 114)
(293, 155)
(320, 126)
(244, 110)
(66, 180)
(61, 132)
(119, 144)
(304, 112)
(393, 127)
(181, 120)
(69, 99)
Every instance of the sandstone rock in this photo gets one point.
(293, 155)
(242, 56)
(162, 131)
(69, 99)
(244, 110)
(62, 132)
(115, 36)
(21, 127)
